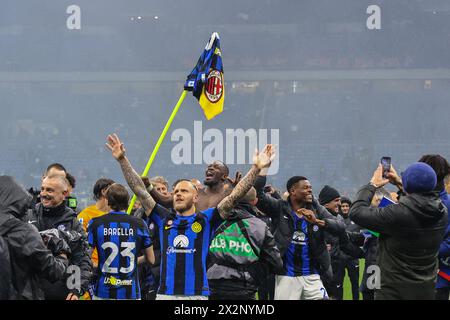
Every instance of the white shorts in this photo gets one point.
(98, 298)
(300, 288)
(179, 297)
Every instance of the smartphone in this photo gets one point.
(386, 164)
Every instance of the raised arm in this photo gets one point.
(134, 181)
(260, 161)
(267, 204)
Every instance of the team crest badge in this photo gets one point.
(214, 86)
(196, 227)
(315, 228)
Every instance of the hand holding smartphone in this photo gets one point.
(386, 164)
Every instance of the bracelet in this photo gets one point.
(150, 187)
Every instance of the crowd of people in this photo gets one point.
(225, 238)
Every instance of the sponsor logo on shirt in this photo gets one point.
(177, 250)
(181, 241)
(117, 282)
(299, 238)
(180, 244)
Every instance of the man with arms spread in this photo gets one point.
(185, 236)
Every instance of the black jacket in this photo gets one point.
(228, 272)
(31, 261)
(154, 269)
(341, 246)
(410, 235)
(65, 220)
(280, 212)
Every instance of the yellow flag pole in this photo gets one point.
(158, 144)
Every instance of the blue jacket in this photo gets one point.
(444, 250)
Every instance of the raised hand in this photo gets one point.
(264, 159)
(307, 214)
(116, 147)
(377, 178)
(393, 177)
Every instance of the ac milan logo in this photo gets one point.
(214, 86)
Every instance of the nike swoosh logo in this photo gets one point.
(167, 227)
(29, 221)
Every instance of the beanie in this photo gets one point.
(327, 194)
(346, 200)
(419, 178)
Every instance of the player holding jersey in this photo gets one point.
(185, 236)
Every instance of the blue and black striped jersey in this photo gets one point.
(297, 260)
(184, 247)
(119, 239)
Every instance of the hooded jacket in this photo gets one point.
(243, 267)
(65, 220)
(31, 261)
(411, 233)
(280, 212)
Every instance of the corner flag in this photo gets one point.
(206, 79)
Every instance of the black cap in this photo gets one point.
(328, 194)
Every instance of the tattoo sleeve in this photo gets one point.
(137, 186)
(238, 192)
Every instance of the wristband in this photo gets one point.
(373, 184)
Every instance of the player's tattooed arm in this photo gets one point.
(260, 161)
(133, 179)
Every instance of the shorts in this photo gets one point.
(300, 288)
(179, 297)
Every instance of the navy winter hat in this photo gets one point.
(418, 178)
(328, 194)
